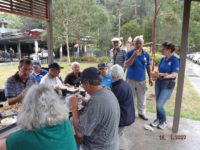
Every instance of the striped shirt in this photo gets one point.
(117, 57)
(14, 85)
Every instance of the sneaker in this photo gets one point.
(143, 117)
(155, 123)
(162, 125)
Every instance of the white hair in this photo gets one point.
(116, 72)
(139, 38)
(40, 107)
(75, 64)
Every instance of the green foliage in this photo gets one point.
(131, 28)
(87, 59)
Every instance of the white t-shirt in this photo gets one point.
(51, 82)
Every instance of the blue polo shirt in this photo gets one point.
(107, 81)
(38, 77)
(137, 71)
(169, 65)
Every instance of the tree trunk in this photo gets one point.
(68, 51)
(154, 34)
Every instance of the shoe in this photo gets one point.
(143, 117)
(155, 123)
(162, 125)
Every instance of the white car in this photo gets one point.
(41, 55)
(196, 58)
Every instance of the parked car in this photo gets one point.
(41, 55)
(196, 58)
(198, 61)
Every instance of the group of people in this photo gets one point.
(44, 120)
(137, 62)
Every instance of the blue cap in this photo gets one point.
(36, 63)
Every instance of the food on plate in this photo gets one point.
(15, 106)
(8, 121)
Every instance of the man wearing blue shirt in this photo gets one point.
(106, 78)
(137, 62)
(38, 72)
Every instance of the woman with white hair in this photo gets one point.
(137, 62)
(44, 123)
(123, 92)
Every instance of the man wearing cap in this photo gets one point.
(97, 126)
(117, 54)
(38, 72)
(51, 79)
(106, 78)
(16, 86)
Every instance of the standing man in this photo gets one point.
(16, 86)
(38, 72)
(117, 54)
(137, 62)
(97, 126)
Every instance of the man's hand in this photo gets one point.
(150, 82)
(73, 103)
(136, 53)
(23, 94)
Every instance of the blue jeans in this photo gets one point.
(163, 94)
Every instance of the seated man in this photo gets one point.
(72, 77)
(17, 85)
(51, 79)
(123, 92)
(97, 126)
(106, 78)
(38, 72)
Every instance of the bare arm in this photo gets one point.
(75, 117)
(149, 75)
(170, 76)
(16, 99)
(2, 144)
(131, 60)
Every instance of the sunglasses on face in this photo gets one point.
(101, 68)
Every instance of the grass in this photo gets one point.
(8, 70)
(190, 103)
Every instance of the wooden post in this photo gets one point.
(184, 47)
(50, 33)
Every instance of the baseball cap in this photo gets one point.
(102, 65)
(92, 75)
(36, 63)
(55, 65)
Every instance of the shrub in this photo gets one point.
(102, 59)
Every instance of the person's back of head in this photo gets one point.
(40, 107)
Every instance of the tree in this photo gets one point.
(131, 28)
(73, 20)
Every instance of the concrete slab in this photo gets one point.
(135, 137)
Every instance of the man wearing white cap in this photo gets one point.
(117, 54)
